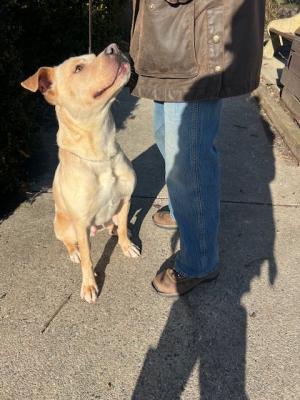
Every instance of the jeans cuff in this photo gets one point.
(185, 275)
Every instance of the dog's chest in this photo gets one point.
(107, 196)
(108, 185)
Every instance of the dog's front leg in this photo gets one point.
(129, 248)
(89, 288)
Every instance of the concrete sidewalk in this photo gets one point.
(233, 339)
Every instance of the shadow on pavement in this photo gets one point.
(208, 327)
(104, 261)
(205, 335)
(149, 169)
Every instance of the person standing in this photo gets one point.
(188, 55)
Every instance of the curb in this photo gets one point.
(280, 119)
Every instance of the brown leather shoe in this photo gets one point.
(169, 283)
(162, 218)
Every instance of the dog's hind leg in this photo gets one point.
(129, 249)
(65, 231)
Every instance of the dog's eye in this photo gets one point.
(78, 68)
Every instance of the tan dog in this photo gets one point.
(94, 180)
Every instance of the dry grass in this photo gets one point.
(280, 9)
(272, 8)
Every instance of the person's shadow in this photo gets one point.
(207, 328)
(209, 325)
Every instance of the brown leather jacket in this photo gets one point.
(186, 50)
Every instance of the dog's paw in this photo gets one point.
(130, 250)
(89, 292)
(75, 256)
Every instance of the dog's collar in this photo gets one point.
(87, 159)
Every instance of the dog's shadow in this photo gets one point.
(149, 168)
(104, 262)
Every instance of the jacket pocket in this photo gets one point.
(166, 43)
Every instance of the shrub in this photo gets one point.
(281, 8)
(35, 33)
(14, 119)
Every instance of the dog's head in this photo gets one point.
(82, 84)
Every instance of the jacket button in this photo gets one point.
(216, 39)
(218, 68)
(152, 6)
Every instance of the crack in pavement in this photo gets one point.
(62, 304)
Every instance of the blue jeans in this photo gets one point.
(185, 134)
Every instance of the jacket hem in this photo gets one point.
(195, 93)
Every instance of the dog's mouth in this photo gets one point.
(122, 70)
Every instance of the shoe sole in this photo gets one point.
(213, 278)
(167, 227)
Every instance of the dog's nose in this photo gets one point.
(112, 49)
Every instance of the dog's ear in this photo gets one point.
(43, 81)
